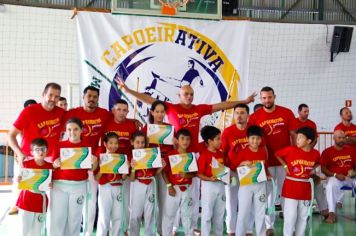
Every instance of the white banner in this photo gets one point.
(158, 55)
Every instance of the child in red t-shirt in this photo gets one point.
(31, 203)
(255, 194)
(298, 161)
(111, 194)
(142, 195)
(70, 186)
(212, 190)
(179, 195)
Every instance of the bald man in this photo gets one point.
(336, 163)
(187, 115)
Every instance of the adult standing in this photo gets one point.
(276, 122)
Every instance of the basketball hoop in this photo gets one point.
(169, 7)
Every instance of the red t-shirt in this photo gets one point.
(205, 161)
(297, 123)
(175, 179)
(233, 140)
(349, 131)
(125, 131)
(164, 148)
(338, 161)
(248, 155)
(299, 164)
(276, 126)
(93, 124)
(30, 201)
(73, 175)
(189, 119)
(35, 122)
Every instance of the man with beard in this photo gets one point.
(350, 136)
(336, 162)
(41, 120)
(234, 139)
(94, 119)
(276, 122)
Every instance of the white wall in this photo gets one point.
(39, 45)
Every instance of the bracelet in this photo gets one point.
(169, 185)
(334, 174)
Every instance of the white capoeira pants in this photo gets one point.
(278, 174)
(295, 217)
(161, 191)
(213, 207)
(31, 223)
(142, 202)
(231, 193)
(66, 205)
(182, 202)
(333, 190)
(111, 209)
(252, 196)
(14, 188)
(320, 197)
(91, 204)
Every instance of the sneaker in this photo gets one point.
(278, 207)
(270, 232)
(196, 232)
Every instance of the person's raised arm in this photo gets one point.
(140, 96)
(231, 104)
(11, 139)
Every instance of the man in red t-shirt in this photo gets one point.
(42, 120)
(347, 126)
(302, 120)
(276, 122)
(234, 140)
(94, 119)
(122, 126)
(336, 162)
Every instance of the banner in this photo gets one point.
(157, 55)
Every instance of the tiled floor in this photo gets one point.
(346, 224)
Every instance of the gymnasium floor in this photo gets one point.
(346, 225)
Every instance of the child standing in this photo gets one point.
(251, 195)
(156, 116)
(298, 161)
(29, 203)
(69, 187)
(179, 194)
(142, 195)
(111, 194)
(212, 190)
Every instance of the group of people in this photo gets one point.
(271, 135)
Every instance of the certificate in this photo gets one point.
(113, 163)
(252, 175)
(35, 179)
(220, 171)
(160, 134)
(75, 158)
(183, 163)
(147, 158)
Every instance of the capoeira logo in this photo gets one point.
(262, 198)
(190, 202)
(80, 200)
(306, 203)
(151, 198)
(119, 197)
(223, 198)
(40, 218)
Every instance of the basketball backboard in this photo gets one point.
(204, 9)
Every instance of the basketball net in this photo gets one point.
(169, 7)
